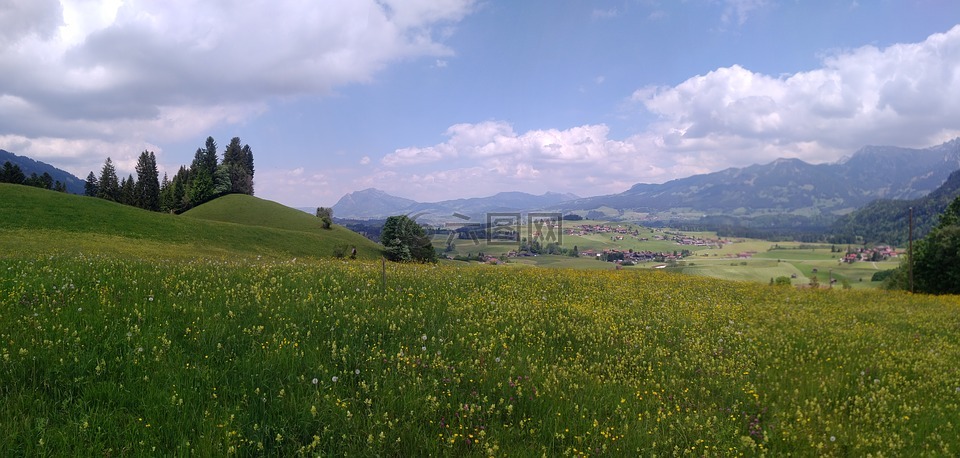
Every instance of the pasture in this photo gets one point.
(120, 339)
(767, 260)
(110, 355)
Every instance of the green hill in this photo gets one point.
(34, 219)
(253, 211)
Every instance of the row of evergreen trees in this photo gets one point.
(12, 173)
(206, 179)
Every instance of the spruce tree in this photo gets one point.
(12, 174)
(238, 162)
(248, 167)
(180, 185)
(109, 184)
(128, 193)
(147, 189)
(166, 194)
(209, 156)
(92, 186)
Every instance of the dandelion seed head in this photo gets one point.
(315, 381)
(334, 379)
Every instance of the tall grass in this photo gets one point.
(107, 355)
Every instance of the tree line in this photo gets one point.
(935, 264)
(206, 179)
(882, 221)
(12, 173)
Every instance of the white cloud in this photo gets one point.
(604, 13)
(497, 141)
(492, 157)
(900, 95)
(112, 70)
(740, 9)
(309, 189)
(81, 156)
(365, 160)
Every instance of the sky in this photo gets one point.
(443, 99)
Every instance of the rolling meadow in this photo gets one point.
(268, 348)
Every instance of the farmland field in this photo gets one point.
(113, 355)
(767, 261)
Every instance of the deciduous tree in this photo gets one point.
(404, 240)
(326, 216)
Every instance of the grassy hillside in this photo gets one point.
(35, 219)
(252, 211)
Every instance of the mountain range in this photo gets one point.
(788, 187)
(28, 166)
(376, 204)
(888, 220)
(792, 186)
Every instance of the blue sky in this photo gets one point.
(440, 99)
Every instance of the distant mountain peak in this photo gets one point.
(372, 203)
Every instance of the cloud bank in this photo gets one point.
(899, 95)
(111, 70)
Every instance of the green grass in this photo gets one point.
(36, 219)
(102, 355)
(243, 209)
(199, 347)
(753, 270)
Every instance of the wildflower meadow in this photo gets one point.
(105, 355)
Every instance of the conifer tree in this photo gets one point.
(128, 193)
(91, 186)
(209, 156)
(202, 175)
(147, 188)
(109, 185)
(12, 173)
(248, 166)
(166, 194)
(238, 161)
(180, 185)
